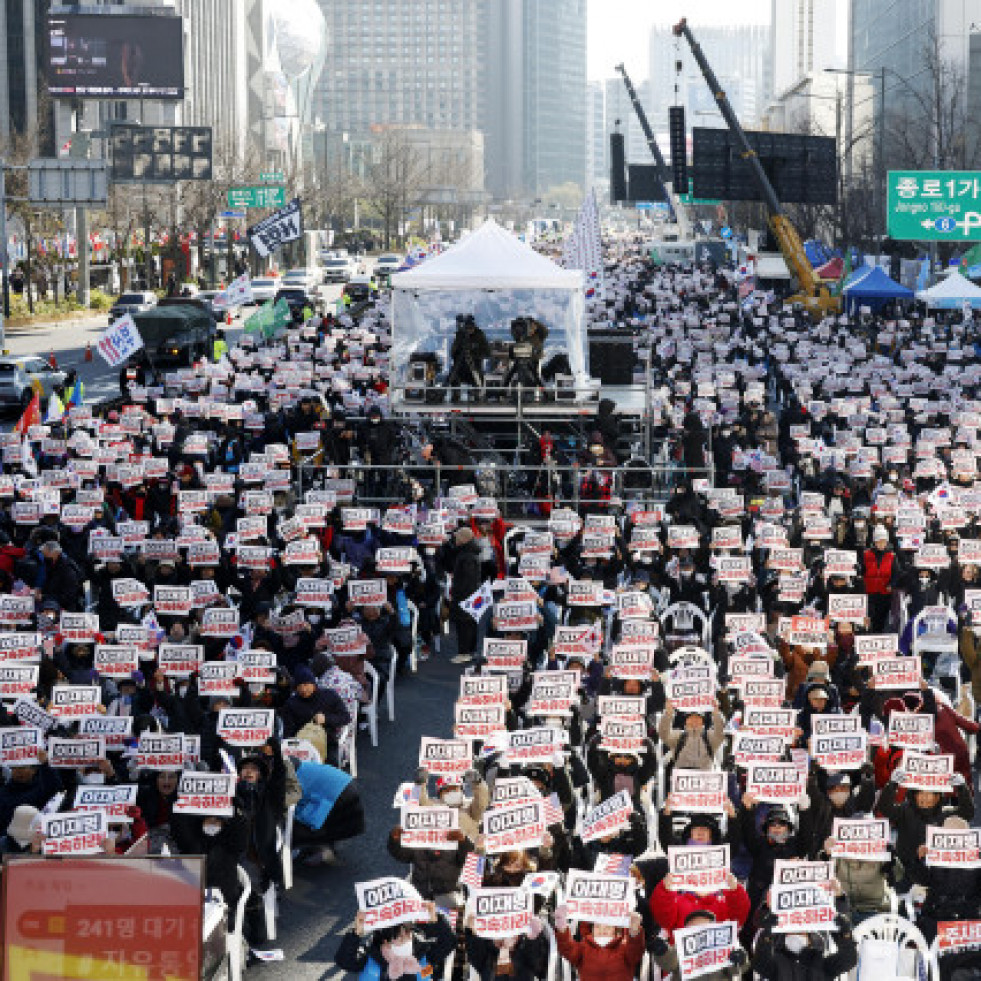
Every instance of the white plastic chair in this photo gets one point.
(371, 710)
(887, 934)
(390, 687)
(287, 851)
(234, 942)
(414, 627)
(933, 640)
(347, 746)
(682, 618)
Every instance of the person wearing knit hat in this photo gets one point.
(462, 536)
(21, 831)
(310, 703)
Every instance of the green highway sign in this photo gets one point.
(689, 199)
(267, 196)
(273, 177)
(934, 205)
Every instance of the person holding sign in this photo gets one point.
(775, 840)
(604, 953)
(409, 950)
(32, 785)
(672, 909)
(694, 747)
(919, 809)
(803, 956)
(667, 957)
(308, 703)
(520, 958)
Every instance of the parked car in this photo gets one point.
(359, 289)
(339, 270)
(177, 331)
(297, 298)
(20, 377)
(300, 278)
(132, 303)
(385, 265)
(264, 288)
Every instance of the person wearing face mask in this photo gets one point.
(774, 840)
(520, 958)
(309, 703)
(410, 951)
(693, 747)
(614, 771)
(604, 953)
(838, 800)
(666, 956)
(803, 956)
(671, 908)
(222, 841)
(30, 786)
(881, 574)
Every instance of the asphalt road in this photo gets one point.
(320, 907)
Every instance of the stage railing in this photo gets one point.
(521, 492)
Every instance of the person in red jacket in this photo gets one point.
(879, 573)
(671, 908)
(605, 953)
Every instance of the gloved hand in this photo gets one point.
(659, 947)
(737, 958)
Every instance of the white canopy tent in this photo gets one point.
(951, 293)
(494, 276)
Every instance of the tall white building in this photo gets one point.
(596, 137)
(804, 33)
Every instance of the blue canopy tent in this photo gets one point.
(874, 290)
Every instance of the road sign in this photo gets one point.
(268, 196)
(690, 198)
(934, 205)
(232, 214)
(65, 182)
(273, 177)
(644, 205)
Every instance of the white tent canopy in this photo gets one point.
(951, 293)
(496, 278)
(489, 258)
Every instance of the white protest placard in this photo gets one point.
(861, 839)
(535, 745)
(478, 721)
(922, 772)
(429, 827)
(771, 722)
(20, 745)
(608, 817)
(173, 600)
(245, 727)
(219, 622)
(20, 646)
(367, 592)
(796, 872)
(206, 794)
(911, 730)
(18, 679)
(74, 832)
(847, 607)
(29, 713)
(698, 791)
(445, 757)
(160, 751)
(75, 751)
(870, 648)
(74, 701)
(692, 689)
(314, 592)
(706, 949)
(389, 901)
(180, 660)
(749, 747)
(516, 615)
(624, 734)
(217, 679)
(802, 908)
(631, 662)
(513, 828)
(701, 869)
(958, 936)
(764, 692)
(130, 592)
(896, 674)
(483, 689)
(500, 913)
(593, 897)
(840, 751)
(513, 790)
(119, 341)
(116, 660)
(630, 705)
(396, 560)
(953, 848)
(113, 800)
(553, 693)
(775, 783)
(114, 729)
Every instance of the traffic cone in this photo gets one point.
(88, 350)
(52, 360)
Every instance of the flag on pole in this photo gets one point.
(472, 874)
(27, 462)
(553, 810)
(477, 602)
(56, 409)
(613, 864)
(31, 416)
(77, 396)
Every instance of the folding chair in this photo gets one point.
(347, 746)
(371, 710)
(414, 627)
(234, 941)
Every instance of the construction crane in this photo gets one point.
(813, 294)
(680, 213)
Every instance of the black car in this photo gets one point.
(296, 300)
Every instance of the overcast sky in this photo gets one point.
(619, 30)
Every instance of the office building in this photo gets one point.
(24, 109)
(597, 140)
(804, 33)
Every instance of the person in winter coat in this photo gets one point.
(222, 841)
(803, 956)
(261, 797)
(919, 809)
(407, 951)
(470, 796)
(466, 573)
(521, 958)
(838, 800)
(694, 746)
(435, 873)
(308, 703)
(27, 785)
(330, 810)
(774, 840)
(59, 578)
(605, 953)
(671, 909)
(666, 957)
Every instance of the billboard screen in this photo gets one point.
(161, 154)
(108, 56)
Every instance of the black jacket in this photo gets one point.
(434, 941)
(529, 958)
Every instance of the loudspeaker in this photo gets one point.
(679, 150)
(611, 359)
(645, 183)
(618, 169)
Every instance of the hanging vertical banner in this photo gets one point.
(279, 228)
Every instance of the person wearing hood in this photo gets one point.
(604, 953)
(838, 799)
(918, 810)
(803, 956)
(774, 840)
(410, 950)
(520, 958)
(308, 703)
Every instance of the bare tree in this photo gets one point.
(394, 182)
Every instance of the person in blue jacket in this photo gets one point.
(329, 811)
(414, 951)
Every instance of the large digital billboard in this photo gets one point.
(116, 56)
(161, 154)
